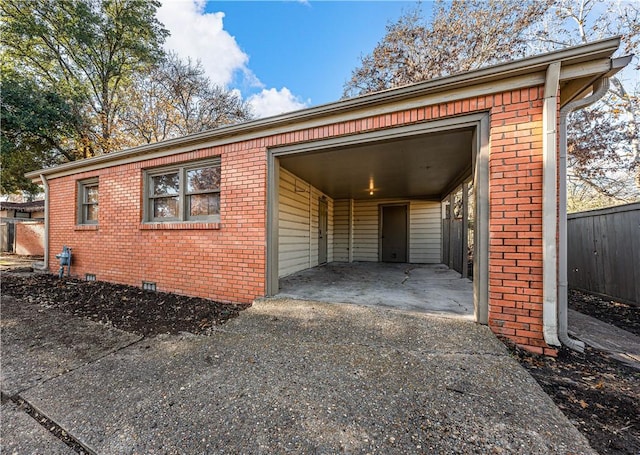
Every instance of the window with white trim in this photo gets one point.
(183, 193)
(88, 201)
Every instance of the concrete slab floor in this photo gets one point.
(428, 288)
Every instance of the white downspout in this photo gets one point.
(45, 184)
(550, 207)
(599, 89)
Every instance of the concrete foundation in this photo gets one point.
(433, 289)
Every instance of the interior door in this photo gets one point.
(394, 233)
(323, 227)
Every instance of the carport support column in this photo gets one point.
(550, 206)
(273, 204)
(482, 151)
(465, 230)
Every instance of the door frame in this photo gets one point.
(322, 200)
(407, 244)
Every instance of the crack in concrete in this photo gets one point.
(82, 365)
(47, 423)
(51, 426)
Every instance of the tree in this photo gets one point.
(604, 140)
(175, 98)
(36, 124)
(461, 36)
(85, 48)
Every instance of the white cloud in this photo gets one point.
(201, 36)
(273, 102)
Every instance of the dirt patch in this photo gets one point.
(600, 395)
(124, 307)
(622, 315)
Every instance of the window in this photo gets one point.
(185, 193)
(88, 201)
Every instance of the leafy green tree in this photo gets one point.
(36, 124)
(88, 49)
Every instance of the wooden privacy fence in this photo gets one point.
(604, 252)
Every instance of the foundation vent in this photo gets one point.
(148, 286)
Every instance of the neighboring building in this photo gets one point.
(22, 228)
(225, 213)
(22, 210)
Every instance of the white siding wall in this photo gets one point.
(298, 225)
(424, 230)
(365, 230)
(353, 228)
(343, 230)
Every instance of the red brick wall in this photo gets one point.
(225, 263)
(228, 263)
(30, 238)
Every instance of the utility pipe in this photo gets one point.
(45, 184)
(549, 206)
(600, 87)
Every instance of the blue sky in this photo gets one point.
(310, 48)
(280, 55)
(286, 55)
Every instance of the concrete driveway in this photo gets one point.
(286, 376)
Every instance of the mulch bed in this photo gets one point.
(124, 307)
(600, 395)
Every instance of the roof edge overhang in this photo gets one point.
(591, 61)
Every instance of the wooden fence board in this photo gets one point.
(604, 252)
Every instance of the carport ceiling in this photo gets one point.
(412, 167)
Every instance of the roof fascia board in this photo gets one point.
(601, 50)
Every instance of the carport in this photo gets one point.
(378, 206)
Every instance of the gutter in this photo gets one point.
(600, 87)
(45, 184)
(549, 206)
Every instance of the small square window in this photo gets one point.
(88, 201)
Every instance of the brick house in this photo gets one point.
(225, 213)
